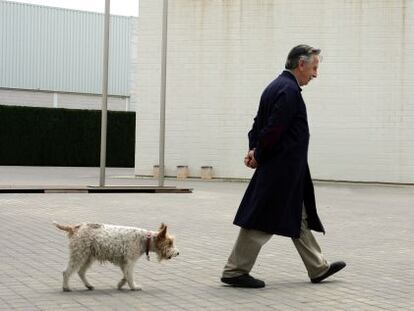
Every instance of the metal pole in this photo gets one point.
(163, 91)
(104, 93)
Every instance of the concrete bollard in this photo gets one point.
(182, 171)
(206, 172)
(156, 171)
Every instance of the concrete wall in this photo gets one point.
(221, 54)
(16, 97)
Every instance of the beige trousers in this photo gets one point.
(249, 243)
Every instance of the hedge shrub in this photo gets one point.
(64, 137)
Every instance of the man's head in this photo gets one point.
(303, 61)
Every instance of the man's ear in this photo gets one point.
(301, 63)
(163, 231)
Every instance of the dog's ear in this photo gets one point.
(163, 231)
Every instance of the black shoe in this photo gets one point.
(333, 268)
(244, 280)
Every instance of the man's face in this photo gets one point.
(307, 71)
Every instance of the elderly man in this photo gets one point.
(280, 196)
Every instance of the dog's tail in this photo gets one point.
(70, 229)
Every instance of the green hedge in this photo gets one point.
(64, 137)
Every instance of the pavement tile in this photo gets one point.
(368, 226)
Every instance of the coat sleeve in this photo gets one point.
(278, 121)
(253, 135)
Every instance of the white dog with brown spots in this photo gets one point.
(119, 245)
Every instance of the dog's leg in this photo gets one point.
(72, 267)
(129, 267)
(82, 272)
(124, 279)
(122, 282)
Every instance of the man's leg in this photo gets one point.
(317, 266)
(242, 258)
(309, 250)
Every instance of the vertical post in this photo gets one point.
(163, 92)
(126, 103)
(104, 94)
(55, 100)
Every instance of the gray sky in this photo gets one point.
(118, 7)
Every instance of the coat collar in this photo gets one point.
(288, 74)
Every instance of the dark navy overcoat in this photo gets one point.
(281, 183)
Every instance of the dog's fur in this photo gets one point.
(119, 245)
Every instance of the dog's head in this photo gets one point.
(165, 244)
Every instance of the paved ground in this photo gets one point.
(370, 227)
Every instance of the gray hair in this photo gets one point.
(299, 52)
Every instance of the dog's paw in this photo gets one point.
(90, 287)
(66, 289)
(121, 283)
(136, 288)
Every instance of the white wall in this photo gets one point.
(221, 54)
(33, 98)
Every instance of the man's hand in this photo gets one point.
(249, 159)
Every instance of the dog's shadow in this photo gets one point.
(98, 292)
(109, 291)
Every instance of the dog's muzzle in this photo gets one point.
(175, 254)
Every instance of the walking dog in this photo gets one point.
(119, 245)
